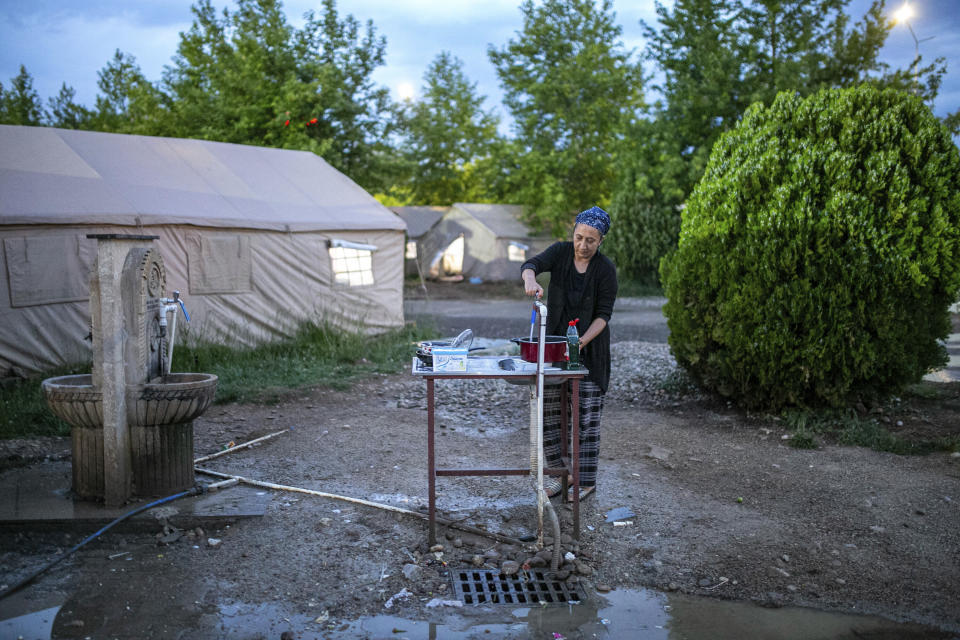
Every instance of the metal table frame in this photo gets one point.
(572, 463)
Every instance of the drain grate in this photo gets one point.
(489, 586)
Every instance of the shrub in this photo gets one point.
(820, 252)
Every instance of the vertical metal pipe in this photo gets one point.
(542, 311)
(431, 467)
(564, 432)
(575, 455)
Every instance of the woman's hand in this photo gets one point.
(530, 285)
(598, 325)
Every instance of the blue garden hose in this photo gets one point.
(184, 309)
(156, 503)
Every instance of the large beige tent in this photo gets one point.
(257, 240)
(486, 241)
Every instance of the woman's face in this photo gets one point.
(586, 241)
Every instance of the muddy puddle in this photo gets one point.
(635, 614)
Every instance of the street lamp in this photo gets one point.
(903, 14)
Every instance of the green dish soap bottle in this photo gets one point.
(573, 345)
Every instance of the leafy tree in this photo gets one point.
(64, 112)
(572, 91)
(357, 115)
(247, 76)
(697, 50)
(228, 71)
(127, 102)
(952, 123)
(647, 202)
(21, 103)
(448, 137)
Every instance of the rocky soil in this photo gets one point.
(722, 506)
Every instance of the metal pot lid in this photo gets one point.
(430, 344)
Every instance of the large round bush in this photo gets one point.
(820, 252)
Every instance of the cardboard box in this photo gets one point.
(448, 359)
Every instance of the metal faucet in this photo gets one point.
(170, 305)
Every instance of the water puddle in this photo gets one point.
(37, 625)
(27, 617)
(640, 614)
(634, 614)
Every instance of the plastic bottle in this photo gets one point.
(573, 345)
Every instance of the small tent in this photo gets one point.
(486, 241)
(420, 222)
(257, 240)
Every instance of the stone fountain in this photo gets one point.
(131, 419)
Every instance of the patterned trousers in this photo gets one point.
(591, 409)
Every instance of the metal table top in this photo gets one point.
(489, 367)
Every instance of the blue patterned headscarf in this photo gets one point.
(596, 218)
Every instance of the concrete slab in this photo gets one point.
(38, 497)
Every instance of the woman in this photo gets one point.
(583, 284)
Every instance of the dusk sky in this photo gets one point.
(70, 40)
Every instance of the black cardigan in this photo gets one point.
(596, 301)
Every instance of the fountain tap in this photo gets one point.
(170, 305)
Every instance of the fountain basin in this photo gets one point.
(170, 399)
(74, 400)
(160, 418)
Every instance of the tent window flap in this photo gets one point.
(517, 252)
(352, 262)
(48, 269)
(219, 264)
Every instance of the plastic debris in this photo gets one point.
(403, 594)
(440, 602)
(620, 513)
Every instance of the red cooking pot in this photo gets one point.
(554, 348)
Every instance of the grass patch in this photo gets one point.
(315, 356)
(926, 390)
(847, 427)
(24, 412)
